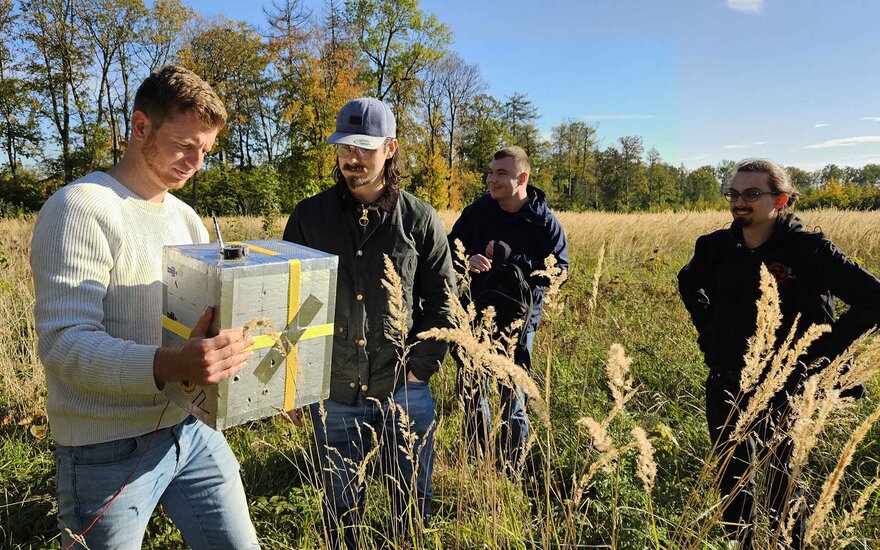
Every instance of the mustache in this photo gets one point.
(741, 209)
(351, 167)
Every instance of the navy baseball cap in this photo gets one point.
(364, 122)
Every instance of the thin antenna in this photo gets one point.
(217, 232)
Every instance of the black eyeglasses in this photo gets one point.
(749, 195)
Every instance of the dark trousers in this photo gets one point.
(345, 436)
(738, 464)
(473, 390)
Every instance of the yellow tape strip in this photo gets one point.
(259, 249)
(177, 328)
(260, 342)
(317, 331)
(292, 361)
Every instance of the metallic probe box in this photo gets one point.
(284, 295)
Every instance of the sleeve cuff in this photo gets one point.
(136, 375)
(423, 370)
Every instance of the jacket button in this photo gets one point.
(360, 253)
(352, 385)
(362, 342)
(339, 330)
(364, 387)
(360, 297)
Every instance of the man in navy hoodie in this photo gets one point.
(514, 217)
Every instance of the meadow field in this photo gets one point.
(618, 463)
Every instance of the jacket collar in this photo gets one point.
(786, 223)
(387, 202)
(534, 210)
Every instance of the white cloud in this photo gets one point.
(627, 116)
(872, 118)
(747, 6)
(698, 157)
(863, 157)
(821, 125)
(746, 145)
(844, 142)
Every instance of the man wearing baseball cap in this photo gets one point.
(376, 398)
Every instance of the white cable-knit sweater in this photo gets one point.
(97, 263)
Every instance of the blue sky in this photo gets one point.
(700, 80)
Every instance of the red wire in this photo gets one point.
(124, 485)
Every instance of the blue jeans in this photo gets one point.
(189, 468)
(473, 389)
(348, 433)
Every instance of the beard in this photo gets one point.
(739, 223)
(151, 154)
(361, 179)
(742, 220)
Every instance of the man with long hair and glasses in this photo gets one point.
(720, 287)
(376, 397)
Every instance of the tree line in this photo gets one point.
(69, 70)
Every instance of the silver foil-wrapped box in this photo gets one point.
(285, 296)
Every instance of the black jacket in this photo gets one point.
(720, 287)
(411, 234)
(533, 233)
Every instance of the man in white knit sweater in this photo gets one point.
(97, 262)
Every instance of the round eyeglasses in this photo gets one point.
(347, 151)
(749, 195)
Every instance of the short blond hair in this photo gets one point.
(519, 156)
(173, 90)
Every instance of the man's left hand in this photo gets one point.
(295, 417)
(410, 377)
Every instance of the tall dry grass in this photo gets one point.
(22, 380)
(674, 233)
(619, 456)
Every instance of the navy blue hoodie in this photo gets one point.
(533, 233)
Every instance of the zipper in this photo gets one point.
(364, 220)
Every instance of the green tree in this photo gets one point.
(110, 25)
(481, 136)
(19, 130)
(801, 179)
(635, 192)
(661, 179)
(161, 33)
(573, 156)
(316, 71)
(724, 171)
(702, 189)
(482, 132)
(57, 60)
(460, 83)
(610, 179)
(518, 113)
(871, 174)
(831, 172)
(398, 41)
(230, 56)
